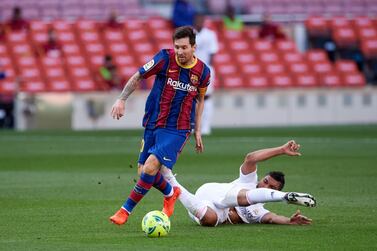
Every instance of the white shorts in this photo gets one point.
(210, 193)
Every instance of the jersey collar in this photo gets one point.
(187, 66)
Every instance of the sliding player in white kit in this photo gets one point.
(241, 201)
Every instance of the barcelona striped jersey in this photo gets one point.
(172, 100)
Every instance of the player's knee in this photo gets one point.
(139, 169)
(209, 219)
(151, 166)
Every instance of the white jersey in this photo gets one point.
(206, 45)
(211, 193)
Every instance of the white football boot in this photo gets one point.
(302, 199)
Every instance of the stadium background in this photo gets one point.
(58, 187)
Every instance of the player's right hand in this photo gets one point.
(299, 219)
(117, 111)
(199, 147)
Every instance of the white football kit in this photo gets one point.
(212, 193)
(206, 46)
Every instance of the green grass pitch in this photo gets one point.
(57, 190)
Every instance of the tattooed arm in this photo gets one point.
(119, 106)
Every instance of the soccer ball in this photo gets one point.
(155, 224)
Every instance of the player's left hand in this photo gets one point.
(299, 219)
(199, 147)
(291, 148)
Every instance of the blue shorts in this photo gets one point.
(165, 144)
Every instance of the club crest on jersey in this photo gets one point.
(148, 65)
(194, 79)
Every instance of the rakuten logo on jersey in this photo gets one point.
(181, 86)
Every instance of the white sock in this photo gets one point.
(262, 195)
(194, 205)
(168, 175)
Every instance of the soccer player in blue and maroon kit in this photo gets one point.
(174, 107)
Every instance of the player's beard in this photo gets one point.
(185, 60)
(182, 60)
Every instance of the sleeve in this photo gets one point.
(260, 211)
(205, 80)
(154, 66)
(252, 214)
(248, 178)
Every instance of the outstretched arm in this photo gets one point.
(296, 219)
(249, 165)
(119, 106)
(198, 121)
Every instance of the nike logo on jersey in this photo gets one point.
(178, 85)
(166, 159)
(170, 70)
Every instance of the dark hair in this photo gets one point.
(185, 31)
(279, 177)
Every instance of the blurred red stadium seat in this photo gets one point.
(331, 79)
(262, 46)
(317, 25)
(344, 66)
(233, 81)
(306, 80)
(355, 79)
(366, 33)
(245, 57)
(269, 57)
(239, 46)
(251, 68)
(316, 55)
(301, 67)
(257, 81)
(58, 85)
(85, 26)
(362, 22)
(292, 57)
(282, 80)
(8, 86)
(369, 48)
(286, 46)
(84, 85)
(345, 36)
(110, 36)
(274, 68)
(322, 67)
(62, 26)
(71, 49)
(226, 69)
(340, 22)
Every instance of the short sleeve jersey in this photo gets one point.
(172, 100)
